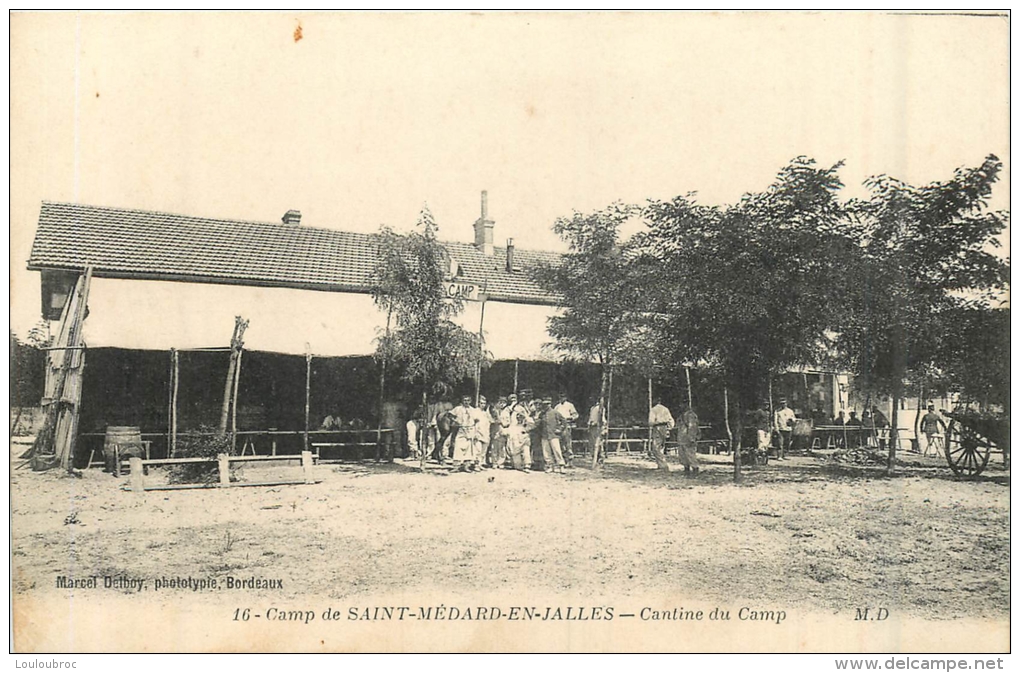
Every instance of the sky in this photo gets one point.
(367, 117)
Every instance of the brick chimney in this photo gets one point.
(292, 217)
(510, 255)
(484, 227)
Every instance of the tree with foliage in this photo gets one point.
(602, 290)
(28, 365)
(926, 254)
(751, 289)
(432, 351)
(974, 355)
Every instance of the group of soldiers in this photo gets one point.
(529, 432)
(515, 432)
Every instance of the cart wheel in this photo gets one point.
(966, 451)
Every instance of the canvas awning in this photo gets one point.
(160, 315)
(511, 331)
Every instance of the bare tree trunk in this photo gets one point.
(900, 370)
(690, 393)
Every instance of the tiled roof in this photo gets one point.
(127, 243)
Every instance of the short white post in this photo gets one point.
(306, 466)
(224, 468)
(137, 474)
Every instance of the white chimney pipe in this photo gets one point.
(484, 227)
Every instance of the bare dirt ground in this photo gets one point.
(804, 533)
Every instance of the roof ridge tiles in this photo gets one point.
(123, 243)
(276, 227)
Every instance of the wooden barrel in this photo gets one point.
(126, 439)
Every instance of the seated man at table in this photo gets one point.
(331, 422)
(854, 423)
(881, 424)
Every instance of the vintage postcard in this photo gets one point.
(510, 332)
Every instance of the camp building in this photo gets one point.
(165, 288)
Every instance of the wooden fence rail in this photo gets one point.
(223, 462)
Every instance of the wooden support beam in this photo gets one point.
(236, 343)
(648, 444)
(481, 347)
(233, 402)
(189, 487)
(308, 390)
(176, 357)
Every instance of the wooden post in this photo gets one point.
(229, 388)
(481, 353)
(609, 410)
(916, 444)
(170, 405)
(229, 384)
(517, 362)
(772, 415)
(690, 395)
(306, 466)
(137, 474)
(382, 388)
(175, 358)
(233, 403)
(308, 390)
(423, 446)
(807, 401)
(224, 469)
(648, 443)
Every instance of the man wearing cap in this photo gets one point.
(783, 424)
(881, 427)
(931, 425)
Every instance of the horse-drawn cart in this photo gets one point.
(970, 438)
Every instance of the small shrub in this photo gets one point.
(199, 446)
